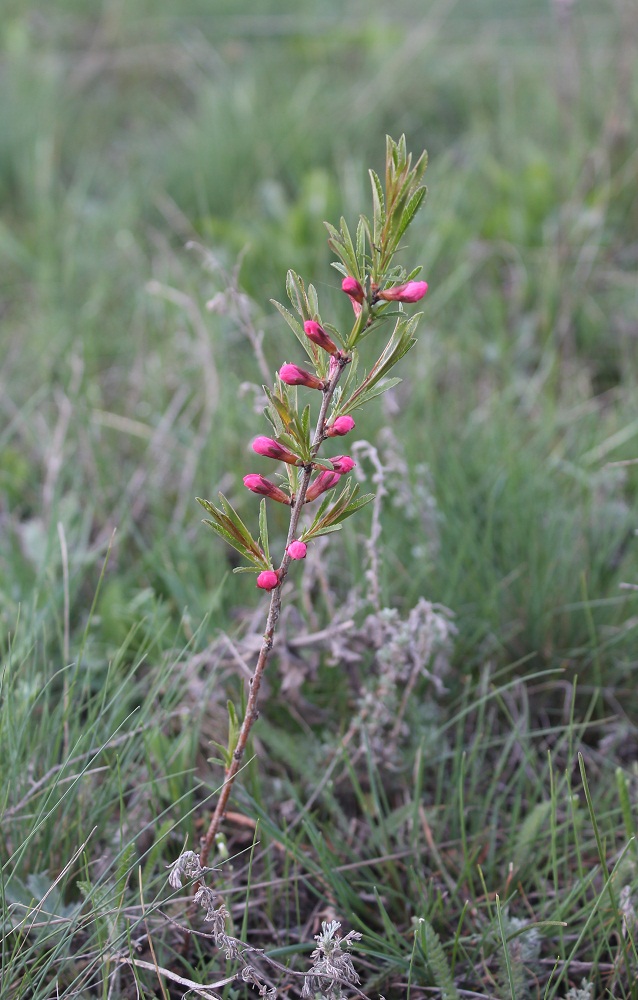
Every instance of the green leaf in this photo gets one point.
(323, 506)
(263, 529)
(334, 333)
(341, 242)
(365, 397)
(296, 438)
(226, 536)
(316, 532)
(362, 228)
(233, 516)
(282, 413)
(296, 292)
(296, 328)
(378, 203)
(398, 345)
(229, 526)
(327, 517)
(305, 424)
(313, 301)
(356, 505)
(410, 211)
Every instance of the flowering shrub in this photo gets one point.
(377, 289)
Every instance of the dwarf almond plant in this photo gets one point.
(333, 377)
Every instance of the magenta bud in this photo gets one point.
(324, 481)
(268, 580)
(270, 448)
(412, 292)
(318, 336)
(297, 550)
(342, 464)
(259, 484)
(294, 375)
(353, 288)
(340, 426)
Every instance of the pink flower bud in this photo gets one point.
(340, 426)
(272, 449)
(268, 580)
(353, 288)
(318, 336)
(294, 375)
(412, 292)
(342, 464)
(324, 481)
(297, 550)
(263, 486)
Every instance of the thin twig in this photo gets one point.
(251, 713)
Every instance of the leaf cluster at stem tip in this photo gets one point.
(378, 290)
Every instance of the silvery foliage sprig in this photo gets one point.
(332, 967)
(377, 289)
(585, 992)
(188, 867)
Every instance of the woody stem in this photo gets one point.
(251, 713)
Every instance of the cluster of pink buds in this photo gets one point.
(325, 480)
(412, 291)
(290, 374)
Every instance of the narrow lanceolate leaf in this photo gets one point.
(313, 301)
(296, 291)
(331, 514)
(341, 242)
(378, 202)
(296, 328)
(410, 211)
(316, 532)
(296, 437)
(397, 347)
(263, 530)
(279, 412)
(377, 390)
(229, 526)
(305, 423)
(362, 228)
(375, 254)
(353, 506)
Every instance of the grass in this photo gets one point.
(483, 846)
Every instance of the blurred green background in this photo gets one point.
(154, 155)
(130, 129)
